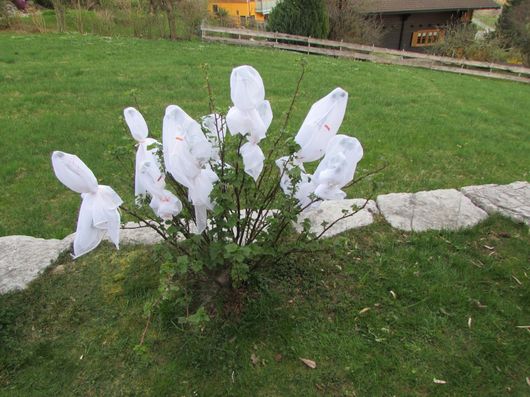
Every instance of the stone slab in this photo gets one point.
(444, 209)
(331, 210)
(133, 234)
(23, 258)
(511, 200)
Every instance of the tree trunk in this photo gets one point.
(59, 8)
(170, 12)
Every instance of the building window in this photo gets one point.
(215, 8)
(425, 38)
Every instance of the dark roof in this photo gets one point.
(398, 6)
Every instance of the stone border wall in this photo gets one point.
(23, 258)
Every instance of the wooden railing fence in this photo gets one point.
(311, 45)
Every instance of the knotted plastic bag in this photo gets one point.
(138, 127)
(337, 168)
(99, 207)
(251, 116)
(187, 153)
(215, 128)
(164, 203)
(303, 188)
(320, 125)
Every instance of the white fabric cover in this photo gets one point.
(215, 128)
(304, 188)
(148, 177)
(99, 207)
(164, 203)
(251, 115)
(138, 127)
(320, 125)
(187, 153)
(337, 168)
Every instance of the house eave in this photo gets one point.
(405, 11)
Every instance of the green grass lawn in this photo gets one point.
(487, 17)
(441, 306)
(67, 92)
(382, 312)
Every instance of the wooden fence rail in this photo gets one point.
(311, 45)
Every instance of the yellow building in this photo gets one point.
(243, 10)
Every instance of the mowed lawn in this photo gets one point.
(67, 92)
(381, 312)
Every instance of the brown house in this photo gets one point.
(412, 25)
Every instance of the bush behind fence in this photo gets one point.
(142, 19)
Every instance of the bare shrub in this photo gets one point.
(191, 13)
(348, 23)
(461, 41)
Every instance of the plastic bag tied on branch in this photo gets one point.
(337, 168)
(148, 178)
(164, 203)
(320, 125)
(187, 153)
(303, 188)
(215, 127)
(99, 207)
(138, 127)
(250, 116)
(317, 137)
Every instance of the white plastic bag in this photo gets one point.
(337, 168)
(250, 116)
(320, 125)
(99, 207)
(215, 128)
(303, 189)
(164, 203)
(139, 131)
(187, 153)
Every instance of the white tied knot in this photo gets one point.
(99, 207)
(187, 153)
(251, 115)
(138, 127)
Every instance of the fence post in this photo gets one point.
(486, 69)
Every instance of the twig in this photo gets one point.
(357, 180)
(324, 230)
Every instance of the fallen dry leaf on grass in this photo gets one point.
(278, 357)
(469, 321)
(439, 381)
(480, 305)
(364, 310)
(254, 359)
(310, 363)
